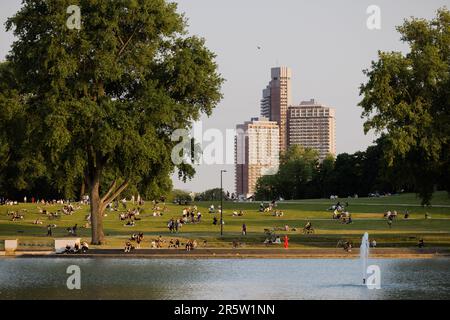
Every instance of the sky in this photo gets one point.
(326, 43)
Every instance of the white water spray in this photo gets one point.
(364, 254)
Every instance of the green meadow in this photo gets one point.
(367, 215)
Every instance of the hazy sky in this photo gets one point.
(325, 43)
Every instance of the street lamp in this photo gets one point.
(221, 203)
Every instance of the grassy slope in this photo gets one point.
(366, 213)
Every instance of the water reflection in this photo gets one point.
(265, 279)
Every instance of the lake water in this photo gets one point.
(37, 278)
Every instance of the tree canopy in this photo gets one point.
(407, 97)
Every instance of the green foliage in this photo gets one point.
(211, 195)
(179, 195)
(408, 98)
(301, 176)
(296, 172)
(100, 103)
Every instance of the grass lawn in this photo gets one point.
(367, 214)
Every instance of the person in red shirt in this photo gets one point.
(286, 242)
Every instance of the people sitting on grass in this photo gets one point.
(16, 216)
(262, 207)
(272, 239)
(238, 214)
(130, 223)
(68, 209)
(349, 219)
(308, 228)
(348, 246)
(236, 244)
(390, 214)
(84, 247)
(211, 209)
(421, 243)
(278, 213)
(345, 217)
(37, 221)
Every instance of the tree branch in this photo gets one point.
(116, 193)
(127, 42)
(110, 190)
(120, 38)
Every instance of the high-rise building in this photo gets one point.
(256, 153)
(312, 124)
(276, 99)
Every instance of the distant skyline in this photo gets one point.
(325, 43)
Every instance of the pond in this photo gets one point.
(203, 279)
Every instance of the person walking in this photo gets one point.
(49, 230)
(286, 242)
(244, 230)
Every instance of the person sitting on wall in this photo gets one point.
(84, 247)
(128, 247)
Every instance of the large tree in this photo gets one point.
(101, 103)
(407, 97)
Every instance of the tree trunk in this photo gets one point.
(97, 211)
(82, 188)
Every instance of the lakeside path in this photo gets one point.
(325, 253)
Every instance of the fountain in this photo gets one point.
(364, 254)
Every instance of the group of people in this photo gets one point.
(189, 215)
(174, 225)
(130, 215)
(68, 209)
(390, 216)
(159, 242)
(138, 238)
(340, 213)
(278, 213)
(267, 207)
(238, 214)
(16, 215)
(77, 248)
(7, 202)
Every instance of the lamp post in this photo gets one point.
(221, 203)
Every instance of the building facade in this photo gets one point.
(257, 148)
(277, 97)
(312, 124)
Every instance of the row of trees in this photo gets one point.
(302, 176)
